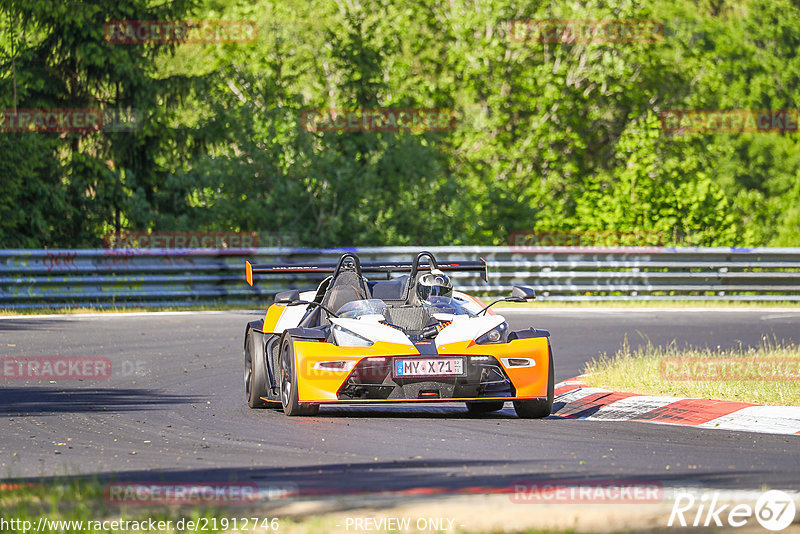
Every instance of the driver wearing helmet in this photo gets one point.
(434, 284)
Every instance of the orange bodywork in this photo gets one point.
(321, 386)
(274, 314)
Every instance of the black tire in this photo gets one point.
(539, 408)
(288, 384)
(255, 380)
(482, 407)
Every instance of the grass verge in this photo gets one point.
(767, 374)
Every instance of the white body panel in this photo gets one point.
(464, 328)
(293, 314)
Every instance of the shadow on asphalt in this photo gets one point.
(18, 401)
(450, 411)
(411, 477)
(34, 324)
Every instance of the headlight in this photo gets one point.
(347, 338)
(495, 335)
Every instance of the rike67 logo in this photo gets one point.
(774, 510)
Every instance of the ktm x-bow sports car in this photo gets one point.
(405, 339)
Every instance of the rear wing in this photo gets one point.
(479, 266)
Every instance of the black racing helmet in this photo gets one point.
(434, 284)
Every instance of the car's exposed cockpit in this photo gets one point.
(349, 294)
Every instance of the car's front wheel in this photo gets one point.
(255, 382)
(288, 375)
(539, 408)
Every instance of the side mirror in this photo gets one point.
(287, 297)
(522, 294)
(518, 294)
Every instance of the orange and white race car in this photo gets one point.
(358, 341)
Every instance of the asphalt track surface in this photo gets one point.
(174, 410)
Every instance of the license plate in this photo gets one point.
(429, 367)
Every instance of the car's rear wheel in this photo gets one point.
(255, 382)
(481, 407)
(539, 408)
(288, 374)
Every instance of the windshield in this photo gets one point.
(360, 308)
(357, 308)
(446, 305)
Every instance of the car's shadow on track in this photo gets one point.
(449, 412)
(17, 401)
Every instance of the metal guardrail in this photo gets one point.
(138, 277)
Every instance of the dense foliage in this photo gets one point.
(548, 135)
